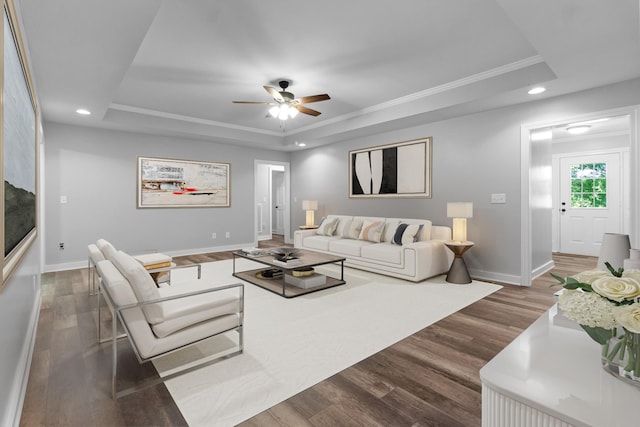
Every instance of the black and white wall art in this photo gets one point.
(401, 169)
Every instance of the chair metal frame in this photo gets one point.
(118, 316)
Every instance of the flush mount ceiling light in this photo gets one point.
(536, 90)
(577, 130)
(286, 105)
(83, 112)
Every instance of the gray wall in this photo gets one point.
(473, 157)
(96, 170)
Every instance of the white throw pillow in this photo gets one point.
(327, 227)
(372, 231)
(354, 229)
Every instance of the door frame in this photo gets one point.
(287, 197)
(526, 232)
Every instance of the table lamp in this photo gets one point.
(310, 206)
(460, 212)
(615, 248)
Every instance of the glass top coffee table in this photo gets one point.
(289, 280)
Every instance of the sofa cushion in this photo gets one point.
(372, 230)
(318, 242)
(119, 287)
(348, 246)
(142, 284)
(327, 227)
(385, 252)
(425, 232)
(344, 223)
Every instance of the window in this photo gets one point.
(589, 185)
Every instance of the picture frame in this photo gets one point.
(398, 170)
(172, 183)
(19, 150)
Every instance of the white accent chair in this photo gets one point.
(159, 321)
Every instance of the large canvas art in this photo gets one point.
(401, 169)
(168, 183)
(19, 144)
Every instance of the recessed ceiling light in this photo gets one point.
(300, 144)
(83, 111)
(577, 130)
(536, 90)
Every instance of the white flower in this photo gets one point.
(590, 275)
(617, 288)
(628, 316)
(587, 308)
(633, 274)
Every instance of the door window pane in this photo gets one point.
(589, 185)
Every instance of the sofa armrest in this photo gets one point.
(299, 235)
(432, 257)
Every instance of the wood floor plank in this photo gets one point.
(429, 379)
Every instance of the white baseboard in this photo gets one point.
(21, 378)
(494, 277)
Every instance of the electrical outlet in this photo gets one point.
(228, 234)
(213, 235)
(61, 246)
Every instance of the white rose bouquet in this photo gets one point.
(606, 304)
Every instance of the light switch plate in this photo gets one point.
(498, 198)
(63, 200)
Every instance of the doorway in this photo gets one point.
(543, 145)
(271, 200)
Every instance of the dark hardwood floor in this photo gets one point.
(428, 379)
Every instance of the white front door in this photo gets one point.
(590, 202)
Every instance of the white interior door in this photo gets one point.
(590, 201)
(278, 202)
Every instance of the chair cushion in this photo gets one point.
(184, 312)
(142, 284)
(106, 248)
(119, 287)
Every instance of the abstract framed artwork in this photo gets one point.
(19, 154)
(401, 169)
(169, 183)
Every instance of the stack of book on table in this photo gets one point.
(154, 260)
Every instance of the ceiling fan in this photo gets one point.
(286, 105)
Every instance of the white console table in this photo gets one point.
(551, 376)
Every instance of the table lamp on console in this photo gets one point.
(458, 272)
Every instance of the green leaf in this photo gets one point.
(599, 335)
(558, 278)
(616, 273)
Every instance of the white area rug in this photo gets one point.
(292, 344)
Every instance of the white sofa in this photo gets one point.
(380, 247)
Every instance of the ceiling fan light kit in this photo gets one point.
(286, 105)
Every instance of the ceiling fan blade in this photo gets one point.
(251, 102)
(313, 98)
(274, 93)
(306, 110)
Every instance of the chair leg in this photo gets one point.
(114, 370)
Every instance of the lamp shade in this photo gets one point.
(460, 210)
(615, 249)
(309, 205)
